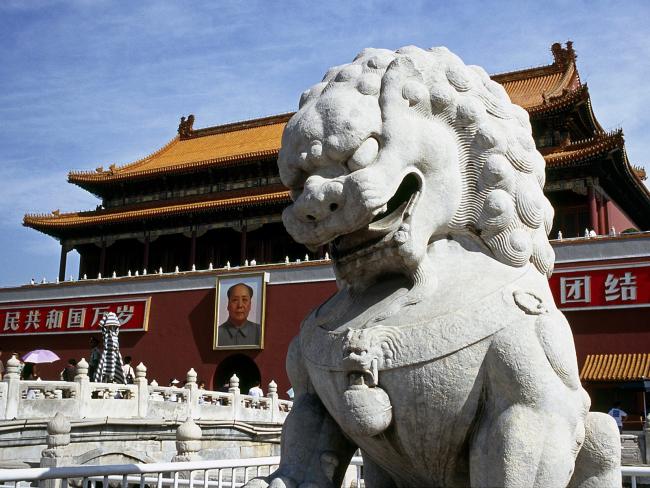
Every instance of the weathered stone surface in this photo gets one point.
(188, 441)
(35, 400)
(631, 450)
(102, 441)
(442, 356)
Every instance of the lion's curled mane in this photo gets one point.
(502, 171)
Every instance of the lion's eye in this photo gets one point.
(365, 154)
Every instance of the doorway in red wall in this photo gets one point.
(241, 365)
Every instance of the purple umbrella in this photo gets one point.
(38, 356)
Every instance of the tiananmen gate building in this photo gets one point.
(206, 208)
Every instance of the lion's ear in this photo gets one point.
(402, 86)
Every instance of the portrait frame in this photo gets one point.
(257, 315)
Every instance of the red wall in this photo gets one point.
(181, 327)
(610, 331)
(180, 335)
(617, 218)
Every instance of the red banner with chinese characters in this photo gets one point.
(58, 317)
(602, 287)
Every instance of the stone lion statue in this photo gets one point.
(442, 356)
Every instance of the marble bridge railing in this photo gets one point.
(81, 398)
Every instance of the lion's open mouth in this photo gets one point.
(383, 227)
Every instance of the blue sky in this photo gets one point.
(85, 83)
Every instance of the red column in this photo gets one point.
(602, 214)
(62, 261)
(593, 210)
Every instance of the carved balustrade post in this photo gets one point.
(236, 400)
(188, 445)
(56, 454)
(188, 442)
(193, 393)
(140, 381)
(85, 394)
(12, 380)
(273, 395)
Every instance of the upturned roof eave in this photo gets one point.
(601, 144)
(527, 73)
(89, 179)
(57, 224)
(93, 181)
(634, 200)
(578, 101)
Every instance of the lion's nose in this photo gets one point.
(320, 198)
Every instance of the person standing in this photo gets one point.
(618, 414)
(2, 366)
(110, 362)
(129, 373)
(95, 356)
(70, 370)
(173, 397)
(256, 391)
(29, 372)
(68, 374)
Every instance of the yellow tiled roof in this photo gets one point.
(244, 198)
(535, 87)
(616, 367)
(580, 150)
(230, 144)
(218, 147)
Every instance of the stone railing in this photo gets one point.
(82, 398)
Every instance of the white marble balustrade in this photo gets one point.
(82, 398)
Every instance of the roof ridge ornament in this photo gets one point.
(563, 56)
(185, 127)
(640, 172)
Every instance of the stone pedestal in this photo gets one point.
(630, 450)
(58, 439)
(83, 380)
(188, 445)
(193, 397)
(188, 442)
(143, 389)
(12, 391)
(236, 400)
